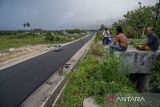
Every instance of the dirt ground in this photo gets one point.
(17, 55)
(22, 53)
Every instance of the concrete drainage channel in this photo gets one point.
(46, 94)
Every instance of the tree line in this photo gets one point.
(135, 21)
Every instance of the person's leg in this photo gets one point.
(113, 48)
(107, 40)
(103, 41)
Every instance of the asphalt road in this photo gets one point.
(19, 81)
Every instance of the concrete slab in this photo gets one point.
(89, 102)
(138, 61)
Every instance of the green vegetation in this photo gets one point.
(136, 21)
(73, 31)
(12, 39)
(96, 75)
(136, 42)
(155, 76)
(99, 36)
(8, 42)
(26, 25)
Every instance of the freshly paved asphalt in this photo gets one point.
(19, 81)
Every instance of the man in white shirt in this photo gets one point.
(105, 36)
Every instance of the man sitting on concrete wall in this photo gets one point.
(152, 42)
(122, 41)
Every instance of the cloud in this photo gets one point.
(61, 14)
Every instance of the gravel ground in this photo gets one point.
(20, 54)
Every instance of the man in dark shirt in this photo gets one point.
(153, 41)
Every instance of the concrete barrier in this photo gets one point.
(138, 61)
(139, 64)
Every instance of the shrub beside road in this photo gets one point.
(96, 75)
(14, 40)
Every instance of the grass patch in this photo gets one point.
(19, 40)
(155, 76)
(136, 42)
(95, 78)
(99, 36)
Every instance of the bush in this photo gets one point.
(155, 76)
(57, 38)
(93, 78)
(99, 36)
(136, 42)
(49, 38)
(96, 49)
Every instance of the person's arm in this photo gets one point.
(108, 32)
(115, 40)
(151, 40)
(104, 33)
(145, 44)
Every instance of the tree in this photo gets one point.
(157, 11)
(28, 24)
(24, 25)
(136, 21)
(102, 27)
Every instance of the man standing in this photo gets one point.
(105, 35)
(120, 42)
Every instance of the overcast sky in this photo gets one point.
(64, 14)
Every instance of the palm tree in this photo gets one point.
(24, 25)
(28, 24)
